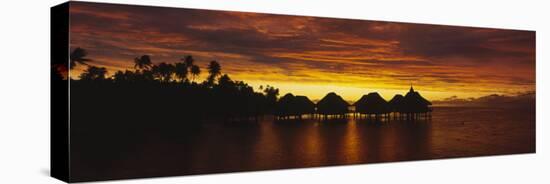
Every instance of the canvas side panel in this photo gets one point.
(59, 48)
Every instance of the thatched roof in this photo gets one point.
(372, 103)
(284, 105)
(422, 99)
(304, 100)
(288, 97)
(332, 104)
(415, 96)
(414, 102)
(303, 105)
(396, 100)
(290, 105)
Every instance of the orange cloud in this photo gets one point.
(309, 55)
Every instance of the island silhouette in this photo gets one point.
(218, 96)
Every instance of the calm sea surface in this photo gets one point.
(269, 144)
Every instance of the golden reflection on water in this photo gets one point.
(388, 141)
(312, 145)
(351, 143)
(314, 142)
(270, 144)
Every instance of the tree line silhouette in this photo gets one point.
(166, 87)
(171, 91)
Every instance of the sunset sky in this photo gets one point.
(311, 56)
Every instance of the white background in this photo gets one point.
(24, 91)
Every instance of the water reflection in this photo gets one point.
(351, 144)
(271, 144)
(313, 142)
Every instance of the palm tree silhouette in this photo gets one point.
(119, 76)
(214, 69)
(163, 71)
(225, 81)
(271, 92)
(195, 71)
(188, 60)
(143, 62)
(78, 55)
(180, 69)
(93, 73)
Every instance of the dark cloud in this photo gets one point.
(396, 53)
(476, 44)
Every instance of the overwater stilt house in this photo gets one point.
(332, 105)
(304, 106)
(395, 104)
(413, 105)
(284, 107)
(372, 104)
(290, 106)
(410, 106)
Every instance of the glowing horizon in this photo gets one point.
(311, 56)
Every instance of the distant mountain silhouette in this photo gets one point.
(520, 100)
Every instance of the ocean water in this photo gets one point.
(269, 144)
